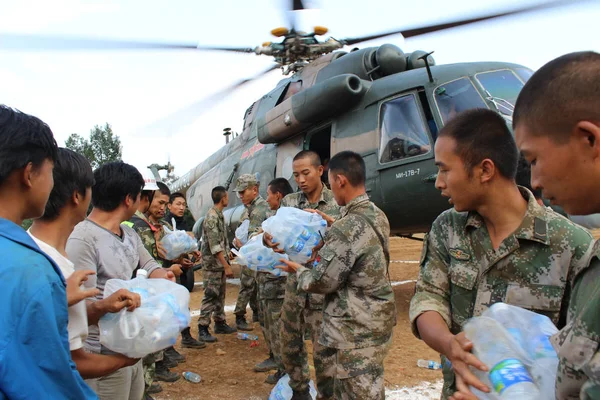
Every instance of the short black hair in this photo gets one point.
(218, 193)
(114, 182)
(349, 164)
(479, 134)
(175, 196)
(72, 172)
(315, 159)
(561, 93)
(163, 189)
(24, 139)
(281, 185)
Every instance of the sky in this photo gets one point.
(131, 90)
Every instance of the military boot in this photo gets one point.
(222, 327)
(266, 365)
(204, 335)
(154, 388)
(168, 362)
(241, 324)
(303, 395)
(173, 355)
(274, 378)
(163, 373)
(255, 317)
(187, 340)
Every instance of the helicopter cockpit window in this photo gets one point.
(524, 74)
(502, 88)
(457, 96)
(403, 132)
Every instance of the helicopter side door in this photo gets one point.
(406, 164)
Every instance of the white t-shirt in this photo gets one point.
(78, 322)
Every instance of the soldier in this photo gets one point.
(557, 128)
(359, 313)
(271, 292)
(256, 211)
(497, 245)
(215, 267)
(302, 310)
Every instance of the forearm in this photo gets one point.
(160, 273)
(92, 365)
(95, 311)
(434, 331)
(308, 282)
(221, 257)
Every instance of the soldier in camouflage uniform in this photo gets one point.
(557, 128)
(215, 267)
(488, 250)
(359, 312)
(302, 310)
(256, 211)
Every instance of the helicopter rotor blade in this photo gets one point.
(14, 41)
(296, 5)
(191, 112)
(413, 32)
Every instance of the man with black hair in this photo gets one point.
(302, 310)
(176, 211)
(36, 361)
(557, 128)
(215, 267)
(112, 250)
(359, 312)
(496, 245)
(271, 289)
(66, 207)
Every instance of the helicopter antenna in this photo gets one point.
(426, 61)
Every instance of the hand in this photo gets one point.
(228, 271)
(327, 218)
(186, 263)
(191, 234)
(162, 273)
(119, 300)
(162, 253)
(175, 269)
(268, 242)
(237, 243)
(459, 353)
(288, 266)
(74, 292)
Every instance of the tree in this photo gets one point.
(102, 147)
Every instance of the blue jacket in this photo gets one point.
(35, 361)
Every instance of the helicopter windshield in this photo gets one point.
(457, 96)
(502, 87)
(403, 132)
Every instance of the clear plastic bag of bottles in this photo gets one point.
(514, 344)
(177, 243)
(296, 231)
(153, 326)
(283, 391)
(260, 258)
(242, 231)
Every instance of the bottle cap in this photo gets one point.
(141, 272)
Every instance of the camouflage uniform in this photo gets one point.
(462, 275)
(302, 310)
(214, 241)
(578, 343)
(359, 312)
(257, 211)
(271, 292)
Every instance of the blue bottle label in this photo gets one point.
(507, 373)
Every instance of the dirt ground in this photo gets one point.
(231, 376)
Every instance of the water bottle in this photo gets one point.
(191, 377)
(428, 364)
(493, 345)
(245, 336)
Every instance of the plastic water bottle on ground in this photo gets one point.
(191, 377)
(245, 336)
(508, 376)
(428, 364)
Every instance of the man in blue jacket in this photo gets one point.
(35, 361)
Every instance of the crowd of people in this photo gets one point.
(496, 244)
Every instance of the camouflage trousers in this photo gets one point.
(149, 367)
(213, 302)
(271, 312)
(296, 316)
(248, 293)
(359, 372)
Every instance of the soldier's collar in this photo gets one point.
(326, 196)
(354, 202)
(534, 225)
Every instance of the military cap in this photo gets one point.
(244, 182)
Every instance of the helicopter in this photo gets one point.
(381, 102)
